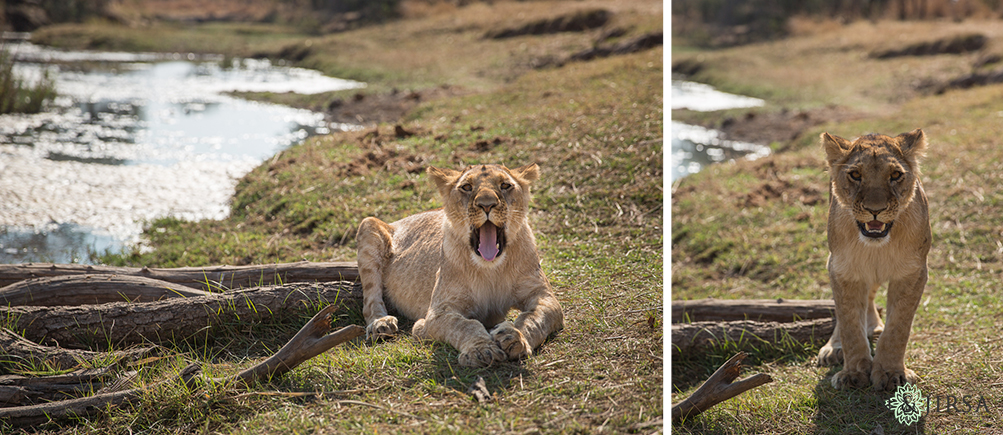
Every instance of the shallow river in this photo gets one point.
(133, 137)
(695, 147)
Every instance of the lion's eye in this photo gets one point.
(896, 175)
(466, 187)
(855, 175)
(506, 186)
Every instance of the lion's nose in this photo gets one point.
(486, 203)
(875, 212)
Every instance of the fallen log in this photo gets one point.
(118, 324)
(210, 278)
(23, 354)
(718, 388)
(313, 339)
(690, 337)
(19, 390)
(91, 289)
(764, 310)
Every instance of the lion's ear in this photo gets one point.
(444, 179)
(835, 147)
(529, 173)
(913, 143)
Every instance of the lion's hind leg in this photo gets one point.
(831, 354)
(874, 324)
(375, 241)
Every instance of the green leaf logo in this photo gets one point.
(907, 403)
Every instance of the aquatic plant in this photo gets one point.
(21, 96)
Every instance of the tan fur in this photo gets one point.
(875, 179)
(428, 267)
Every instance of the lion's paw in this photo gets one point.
(852, 378)
(511, 340)
(829, 356)
(889, 380)
(482, 355)
(383, 327)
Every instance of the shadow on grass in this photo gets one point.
(857, 411)
(445, 369)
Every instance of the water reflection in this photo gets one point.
(694, 147)
(55, 243)
(128, 141)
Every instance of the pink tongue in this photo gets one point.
(489, 238)
(875, 225)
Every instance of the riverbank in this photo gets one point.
(756, 230)
(595, 128)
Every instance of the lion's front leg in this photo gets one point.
(477, 347)
(889, 370)
(511, 340)
(541, 316)
(831, 354)
(851, 311)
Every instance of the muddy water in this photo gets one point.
(134, 137)
(695, 147)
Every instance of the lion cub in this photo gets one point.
(879, 231)
(458, 270)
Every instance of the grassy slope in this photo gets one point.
(596, 130)
(730, 242)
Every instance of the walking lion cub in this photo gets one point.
(879, 231)
(458, 270)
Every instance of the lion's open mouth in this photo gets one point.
(488, 241)
(874, 229)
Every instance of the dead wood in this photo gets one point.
(23, 354)
(212, 278)
(19, 390)
(310, 341)
(689, 337)
(718, 388)
(479, 390)
(764, 310)
(91, 289)
(120, 323)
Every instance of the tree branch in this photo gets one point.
(718, 388)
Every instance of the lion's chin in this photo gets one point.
(874, 229)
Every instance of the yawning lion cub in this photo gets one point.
(460, 269)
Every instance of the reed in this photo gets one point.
(21, 96)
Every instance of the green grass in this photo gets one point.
(595, 128)
(725, 246)
(17, 96)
